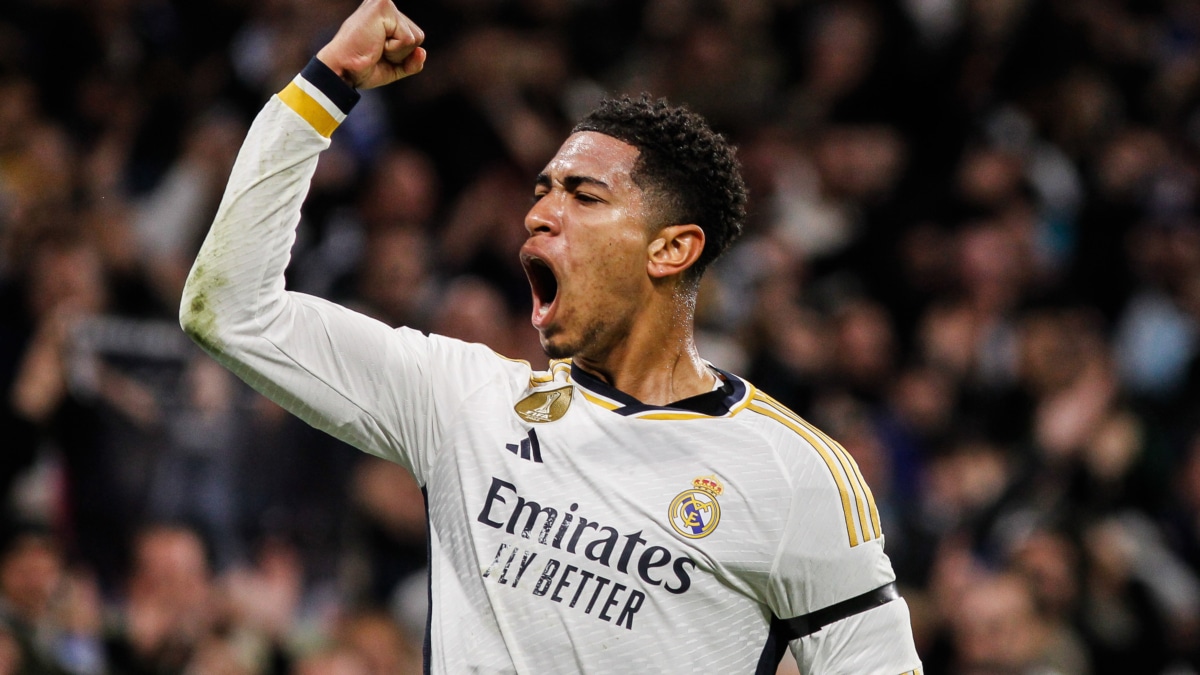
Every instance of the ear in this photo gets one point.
(674, 249)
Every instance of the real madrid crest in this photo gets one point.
(695, 513)
(544, 406)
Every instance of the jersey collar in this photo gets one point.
(725, 400)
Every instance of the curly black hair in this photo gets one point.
(691, 169)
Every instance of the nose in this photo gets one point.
(544, 217)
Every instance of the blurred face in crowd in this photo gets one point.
(998, 628)
(403, 190)
(394, 270)
(474, 311)
(1050, 562)
(30, 573)
(171, 567)
(66, 277)
(586, 256)
(377, 640)
(337, 662)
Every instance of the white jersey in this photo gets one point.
(572, 528)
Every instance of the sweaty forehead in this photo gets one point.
(594, 155)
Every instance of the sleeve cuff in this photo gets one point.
(320, 97)
(340, 94)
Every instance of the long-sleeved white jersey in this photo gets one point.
(572, 528)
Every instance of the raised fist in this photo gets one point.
(376, 45)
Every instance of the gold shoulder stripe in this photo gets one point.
(864, 500)
(602, 402)
(862, 494)
(861, 489)
(874, 510)
(843, 490)
(862, 482)
(307, 107)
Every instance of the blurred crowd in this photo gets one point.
(973, 256)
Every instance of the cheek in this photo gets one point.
(608, 258)
(620, 270)
(626, 252)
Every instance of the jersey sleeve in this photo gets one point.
(875, 642)
(376, 388)
(831, 587)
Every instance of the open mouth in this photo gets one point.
(544, 285)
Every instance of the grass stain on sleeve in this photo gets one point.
(200, 319)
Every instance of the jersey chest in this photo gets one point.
(668, 479)
(591, 513)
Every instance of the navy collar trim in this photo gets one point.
(715, 403)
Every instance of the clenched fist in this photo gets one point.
(376, 45)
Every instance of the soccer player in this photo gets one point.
(632, 508)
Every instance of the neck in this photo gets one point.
(657, 363)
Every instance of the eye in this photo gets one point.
(537, 197)
(586, 198)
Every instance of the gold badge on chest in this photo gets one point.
(544, 406)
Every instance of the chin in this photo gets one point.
(556, 350)
(555, 345)
(594, 342)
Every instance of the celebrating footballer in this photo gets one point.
(633, 508)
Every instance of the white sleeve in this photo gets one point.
(340, 371)
(831, 585)
(878, 641)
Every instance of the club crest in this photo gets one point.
(695, 513)
(544, 406)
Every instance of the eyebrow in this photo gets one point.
(572, 183)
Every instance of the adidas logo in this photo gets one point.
(529, 448)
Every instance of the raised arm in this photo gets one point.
(340, 371)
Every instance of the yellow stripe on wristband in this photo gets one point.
(307, 107)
